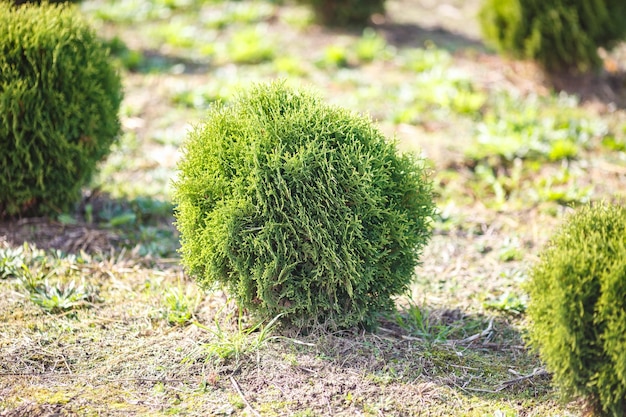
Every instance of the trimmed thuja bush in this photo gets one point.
(19, 2)
(301, 209)
(59, 102)
(577, 307)
(345, 12)
(559, 34)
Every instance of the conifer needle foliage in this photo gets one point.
(59, 102)
(559, 34)
(300, 208)
(577, 307)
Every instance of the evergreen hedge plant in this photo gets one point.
(59, 102)
(559, 34)
(300, 209)
(19, 2)
(345, 12)
(577, 307)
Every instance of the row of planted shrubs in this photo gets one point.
(302, 210)
(305, 211)
(561, 35)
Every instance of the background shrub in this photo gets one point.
(345, 12)
(59, 102)
(18, 2)
(300, 209)
(559, 34)
(577, 307)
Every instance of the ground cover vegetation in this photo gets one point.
(98, 318)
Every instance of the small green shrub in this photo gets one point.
(345, 12)
(559, 34)
(301, 209)
(577, 307)
(20, 2)
(59, 101)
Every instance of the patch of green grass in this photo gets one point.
(614, 144)
(511, 250)
(288, 65)
(251, 46)
(563, 187)
(507, 302)
(202, 97)
(371, 46)
(416, 321)
(237, 13)
(425, 59)
(178, 33)
(55, 281)
(437, 91)
(178, 306)
(236, 343)
(334, 56)
(535, 128)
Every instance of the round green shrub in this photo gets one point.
(59, 102)
(301, 209)
(345, 12)
(559, 34)
(577, 307)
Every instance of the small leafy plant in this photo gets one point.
(59, 297)
(577, 307)
(59, 102)
(370, 46)
(250, 46)
(12, 261)
(301, 209)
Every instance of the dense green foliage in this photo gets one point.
(559, 34)
(301, 209)
(19, 2)
(578, 307)
(59, 102)
(345, 12)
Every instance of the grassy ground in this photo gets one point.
(99, 319)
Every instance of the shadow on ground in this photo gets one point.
(100, 224)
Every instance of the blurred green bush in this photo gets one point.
(345, 12)
(559, 34)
